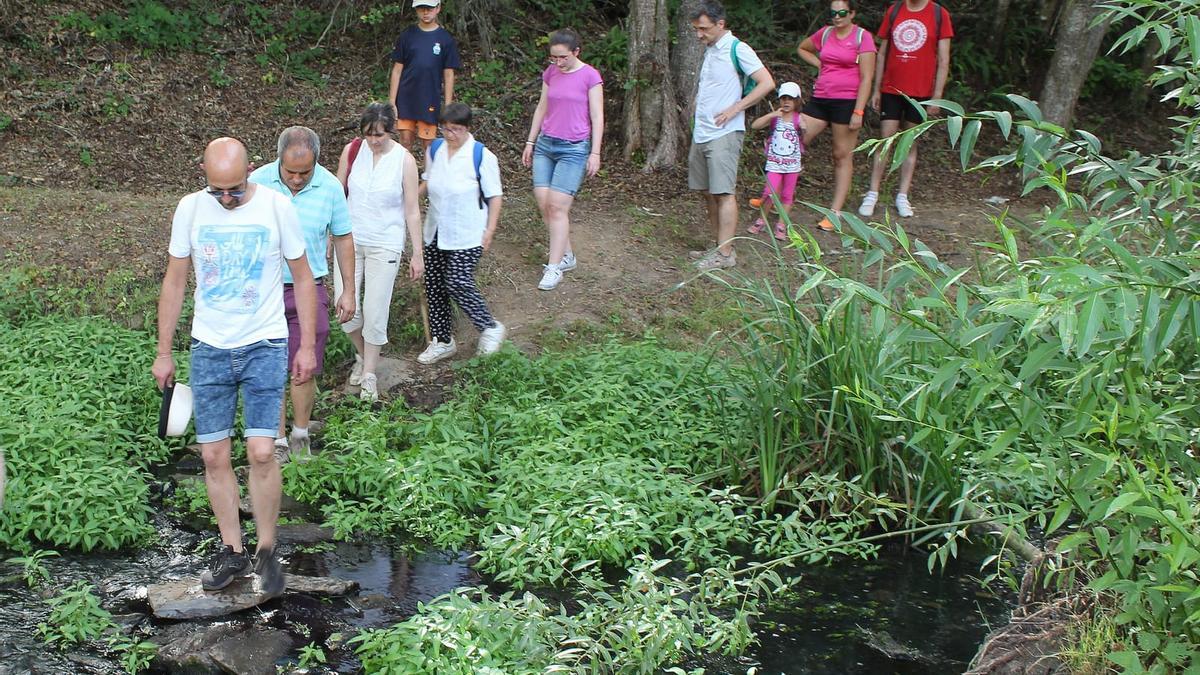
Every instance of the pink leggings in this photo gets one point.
(783, 184)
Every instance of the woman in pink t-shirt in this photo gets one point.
(845, 55)
(564, 144)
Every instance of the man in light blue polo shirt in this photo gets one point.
(720, 124)
(320, 203)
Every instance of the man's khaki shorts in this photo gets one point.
(425, 130)
(713, 166)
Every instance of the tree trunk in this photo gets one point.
(1000, 19)
(685, 62)
(651, 119)
(1077, 41)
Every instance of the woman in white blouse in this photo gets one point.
(381, 180)
(463, 183)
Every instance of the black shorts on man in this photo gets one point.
(895, 107)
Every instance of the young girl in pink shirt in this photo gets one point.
(784, 149)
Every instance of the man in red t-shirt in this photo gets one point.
(915, 44)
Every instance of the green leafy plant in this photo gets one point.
(75, 616)
(33, 572)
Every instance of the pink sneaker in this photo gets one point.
(758, 226)
(781, 232)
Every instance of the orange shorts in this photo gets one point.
(425, 130)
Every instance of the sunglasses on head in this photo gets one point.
(839, 13)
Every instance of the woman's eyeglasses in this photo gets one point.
(558, 58)
(839, 13)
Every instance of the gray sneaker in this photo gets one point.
(567, 263)
(300, 445)
(270, 573)
(282, 451)
(716, 261)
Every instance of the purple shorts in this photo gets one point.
(293, 322)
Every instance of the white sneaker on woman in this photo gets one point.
(436, 351)
(867, 208)
(355, 378)
(490, 339)
(568, 262)
(369, 390)
(550, 278)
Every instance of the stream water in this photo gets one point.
(888, 615)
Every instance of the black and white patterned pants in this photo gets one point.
(451, 275)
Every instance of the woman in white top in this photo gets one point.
(463, 183)
(380, 177)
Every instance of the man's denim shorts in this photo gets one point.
(560, 165)
(259, 370)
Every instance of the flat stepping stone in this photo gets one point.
(224, 648)
(391, 373)
(303, 533)
(185, 599)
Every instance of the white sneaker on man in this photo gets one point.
(369, 388)
(903, 208)
(282, 451)
(568, 262)
(550, 278)
(490, 339)
(355, 378)
(867, 208)
(436, 351)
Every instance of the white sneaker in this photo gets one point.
(550, 278)
(903, 208)
(567, 263)
(356, 372)
(370, 388)
(436, 351)
(490, 339)
(867, 208)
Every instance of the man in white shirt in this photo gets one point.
(237, 238)
(720, 124)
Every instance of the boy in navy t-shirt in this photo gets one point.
(425, 58)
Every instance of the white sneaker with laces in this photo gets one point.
(370, 388)
(356, 371)
(867, 208)
(490, 339)
(550, 278)
(903, 208)
(436, 351)
(567, 263)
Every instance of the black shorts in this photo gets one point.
(896, 107)
(835, 110)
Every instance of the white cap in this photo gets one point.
(176, 410)
(426, 3)
(789, 89)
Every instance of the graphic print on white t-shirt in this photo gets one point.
(783, 150)
(230, 266)
(908, 36)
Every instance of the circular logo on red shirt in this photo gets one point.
(910, 35)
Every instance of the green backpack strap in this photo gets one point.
(747, 83)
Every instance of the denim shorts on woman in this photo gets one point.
(560, 165)
(259, 370)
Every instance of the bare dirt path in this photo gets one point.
(632, 252)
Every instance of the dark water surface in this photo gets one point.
(844, 618)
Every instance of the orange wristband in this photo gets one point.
(857, 112)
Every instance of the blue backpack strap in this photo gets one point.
(433, 147)
(477, 156)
